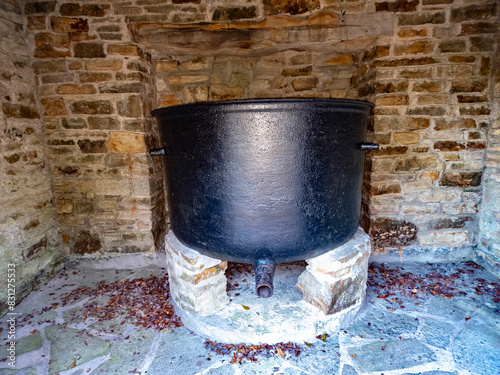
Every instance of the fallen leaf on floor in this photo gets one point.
(280, 352)
(73, 364)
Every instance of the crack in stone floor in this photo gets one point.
(452, 329)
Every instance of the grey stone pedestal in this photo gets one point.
(321, 298)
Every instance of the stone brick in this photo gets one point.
(88, 146)
(473, 12)
(428, 175)
(75, 65)
(54, 106)
(478, 28)
(449, 146)
(94, 107)
(126, 143)
(439, 196)
(389, 100)
(131, 107)
(302, 84)
(340, 60)
(39, 7)
(455, 71)
(19, 111)
(123, 49)
(390, 87)
(421, 19)
(46, 51)
(170, 100)
(73, 123)
(485, 66)
(89, 50)
(94, 77)
(416, 73)
(57, 78)
(469, 85)
(385, 188)
(336, 280)
(103, 123)
(405, 62)
(475, 111)
(197, 282)
(424, 99)
(104, 65)
(55, 40)
(397, 6)
(472, 98)
(412, 33)
(233, 14)
(406, 138)
(292, 7)
(428, 86)
(113, 88)
(187, 79)
(482, 44)
(397, 150)
(166, 66)
(443, 124)
(36, 23)
(68, 25)
(296, 72)
(71, 89)
(89, 10)
(452, 46)
(437, 2)
(461, 179)
(461, 59)
(414, 48)
(415, 163)
(426, 111)
(224, 92)
(54, 66)
(64, 206)
(448, 238)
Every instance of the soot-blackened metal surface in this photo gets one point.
(264, 179)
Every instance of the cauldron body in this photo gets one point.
(264, 179)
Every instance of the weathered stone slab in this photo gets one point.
(336, 280)
(197, 282)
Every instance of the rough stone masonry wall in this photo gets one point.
(433, 89)
(488, 251)
(28, 227)
(102, 65)
(96, 91)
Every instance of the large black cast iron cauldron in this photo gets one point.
(264, 181)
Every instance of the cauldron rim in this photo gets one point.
(326, 102)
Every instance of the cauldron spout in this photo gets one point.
(264, 272)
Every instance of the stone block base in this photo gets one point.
(333, 287)
(336, 280)
(197, 282)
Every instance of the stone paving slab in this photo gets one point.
(428, 335)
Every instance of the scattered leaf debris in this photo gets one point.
(145, 301)
(388, 282)
(241, 352)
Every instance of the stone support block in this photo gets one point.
(197, 282)
(336, 280)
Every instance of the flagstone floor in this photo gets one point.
(418, 319)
